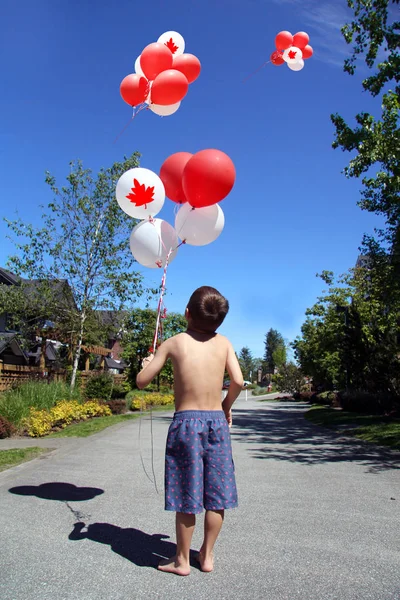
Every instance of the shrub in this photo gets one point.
(118, 391)
(42, 422)
(99, 386)
(144, 401)
(366, 402)
(117, 407)
(328, 398)
(6, 428)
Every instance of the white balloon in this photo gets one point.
(292, 55)
(174, 41)
(140, 193)
(296, 66)
(148, 99)
(151, 241)
(138, 68)
(164, 111)
(199, 226)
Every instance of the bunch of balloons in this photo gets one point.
(162, 76)
(197, 182)
(292, 50)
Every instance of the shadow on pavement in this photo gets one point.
(282, 433)
(57, 490)
(142, 549)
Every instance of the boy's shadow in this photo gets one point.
(141, 548)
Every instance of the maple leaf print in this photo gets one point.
(292, 54)
(171, 46)
(140, 196)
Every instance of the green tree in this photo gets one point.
(84, 240)
(289, 379)
(273, 342)
(246, 363)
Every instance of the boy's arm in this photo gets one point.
(152, 366)
(236, 385)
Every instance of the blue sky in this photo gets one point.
(291, 213)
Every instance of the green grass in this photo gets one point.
(10, 458)
(380, 430)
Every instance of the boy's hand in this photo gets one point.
(228, 415)
(146, 361)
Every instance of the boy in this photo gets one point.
(199, 470)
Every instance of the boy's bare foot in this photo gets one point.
(206, 564)
(172, 565)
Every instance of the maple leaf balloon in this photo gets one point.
(140, 195)
(171, 46)
(173, 41)
(145, 198)
(292, 54)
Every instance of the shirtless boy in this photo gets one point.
(199, 470)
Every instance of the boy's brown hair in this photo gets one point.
(207, 308)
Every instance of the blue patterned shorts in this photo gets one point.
(199, 469)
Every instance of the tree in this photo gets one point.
(375, 143)
(273, 342)
(84, 240)
(246, 363)
(289, 379)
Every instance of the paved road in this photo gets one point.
(318, 517)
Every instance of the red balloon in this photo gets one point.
(154, 59)
(276, 58)
(169, 87)
(134, 89)
(301, 39)
(307, 52)
(283, 40)
(171, 173)
(208, 178)
(189, 65)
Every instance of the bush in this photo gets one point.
(16, 402)
(6, 428)
(118, 391)
(99, 386)
(145, 401)
(42, 422)
(117, 407)
(328, 398)
(366, 402)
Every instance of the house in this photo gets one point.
(11, 351)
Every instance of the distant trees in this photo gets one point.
(275, 350)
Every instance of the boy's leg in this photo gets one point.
(212, 526)
(180, 563)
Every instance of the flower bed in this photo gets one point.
(43, 422)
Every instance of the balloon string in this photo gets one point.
(255, 72)
(136, 111)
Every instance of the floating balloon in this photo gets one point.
(169, 87)
(208, 178)
(138, 69)
(152, 241)
(276, 58)
(307, 52)
(171, 174)
(148, 99)
(199, 226)
(301, 39)
(292, 55)
(174, 42)
(164, 111)
(189, 65)
(296, 66)
(283, 40)
(154, 59)
(134, 89)
(140, 193)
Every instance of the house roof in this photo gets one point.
(115, 364)
(10, 340)
(9, 278)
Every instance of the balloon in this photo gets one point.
(283, 40)
(171, 173)
(164, 111)
(151, 241)
(276, 58)
(307, 52)
(138, 69)
(154, 59)
(148, 99)
(189, 65)
(134, 89)
(292, 55)
(199, 226)
(208, 178)
(140, 193)
(174, 41)
(169, 87)
(301, 39)
(296, 66)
